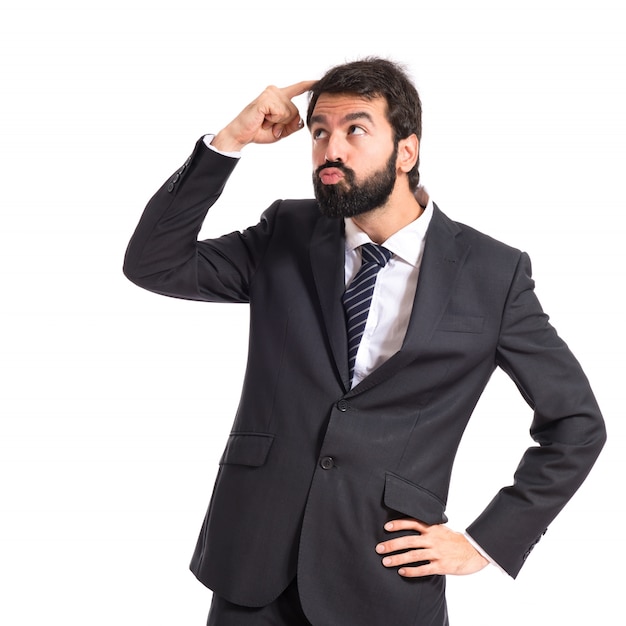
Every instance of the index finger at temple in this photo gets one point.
(298, 88)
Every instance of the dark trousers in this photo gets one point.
(286, 610)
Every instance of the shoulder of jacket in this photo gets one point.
(476, 238)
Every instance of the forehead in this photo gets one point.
(345, 106)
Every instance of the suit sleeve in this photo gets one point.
(164, 254)
(567, 427)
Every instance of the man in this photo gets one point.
(375, 324)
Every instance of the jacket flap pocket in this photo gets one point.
(247, 449)
(412, 500)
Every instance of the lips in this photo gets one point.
(331, 175)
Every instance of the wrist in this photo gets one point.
(224, 141)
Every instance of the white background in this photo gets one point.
(115, 402)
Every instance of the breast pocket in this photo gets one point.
(461, 324)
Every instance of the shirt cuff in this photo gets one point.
(483, 553)
(207, 142)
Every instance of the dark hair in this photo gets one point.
(374, 77)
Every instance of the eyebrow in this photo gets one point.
(350, 117)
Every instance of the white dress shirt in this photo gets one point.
(394, 291)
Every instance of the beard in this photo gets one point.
(348, 198)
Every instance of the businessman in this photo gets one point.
(375, 324)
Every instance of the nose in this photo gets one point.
(335, 149)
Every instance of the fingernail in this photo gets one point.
(380, 548)
(402, 571)
(387, 560)
(389, 526)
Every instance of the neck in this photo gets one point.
(401, 209)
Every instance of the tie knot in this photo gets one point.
(373, 253)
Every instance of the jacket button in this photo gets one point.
(170, 187)
(327, 462)
(342, 405)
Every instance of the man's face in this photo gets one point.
(354, 154)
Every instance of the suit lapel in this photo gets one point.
(444, 255)
(327, 254)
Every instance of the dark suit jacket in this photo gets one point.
(313, 469)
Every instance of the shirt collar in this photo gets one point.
(405, 243)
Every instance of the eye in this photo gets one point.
(356, 130)
(318, 133)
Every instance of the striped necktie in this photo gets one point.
(358, 296)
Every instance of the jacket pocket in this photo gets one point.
(247, 449)
(461, 324)
(412, 500)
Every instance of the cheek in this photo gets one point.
(318, 155)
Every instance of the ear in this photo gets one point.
(408, 153)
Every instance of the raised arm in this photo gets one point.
(164, 254)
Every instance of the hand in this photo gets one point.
(446, 551)
(270, 117)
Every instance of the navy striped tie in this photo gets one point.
(358, 296)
